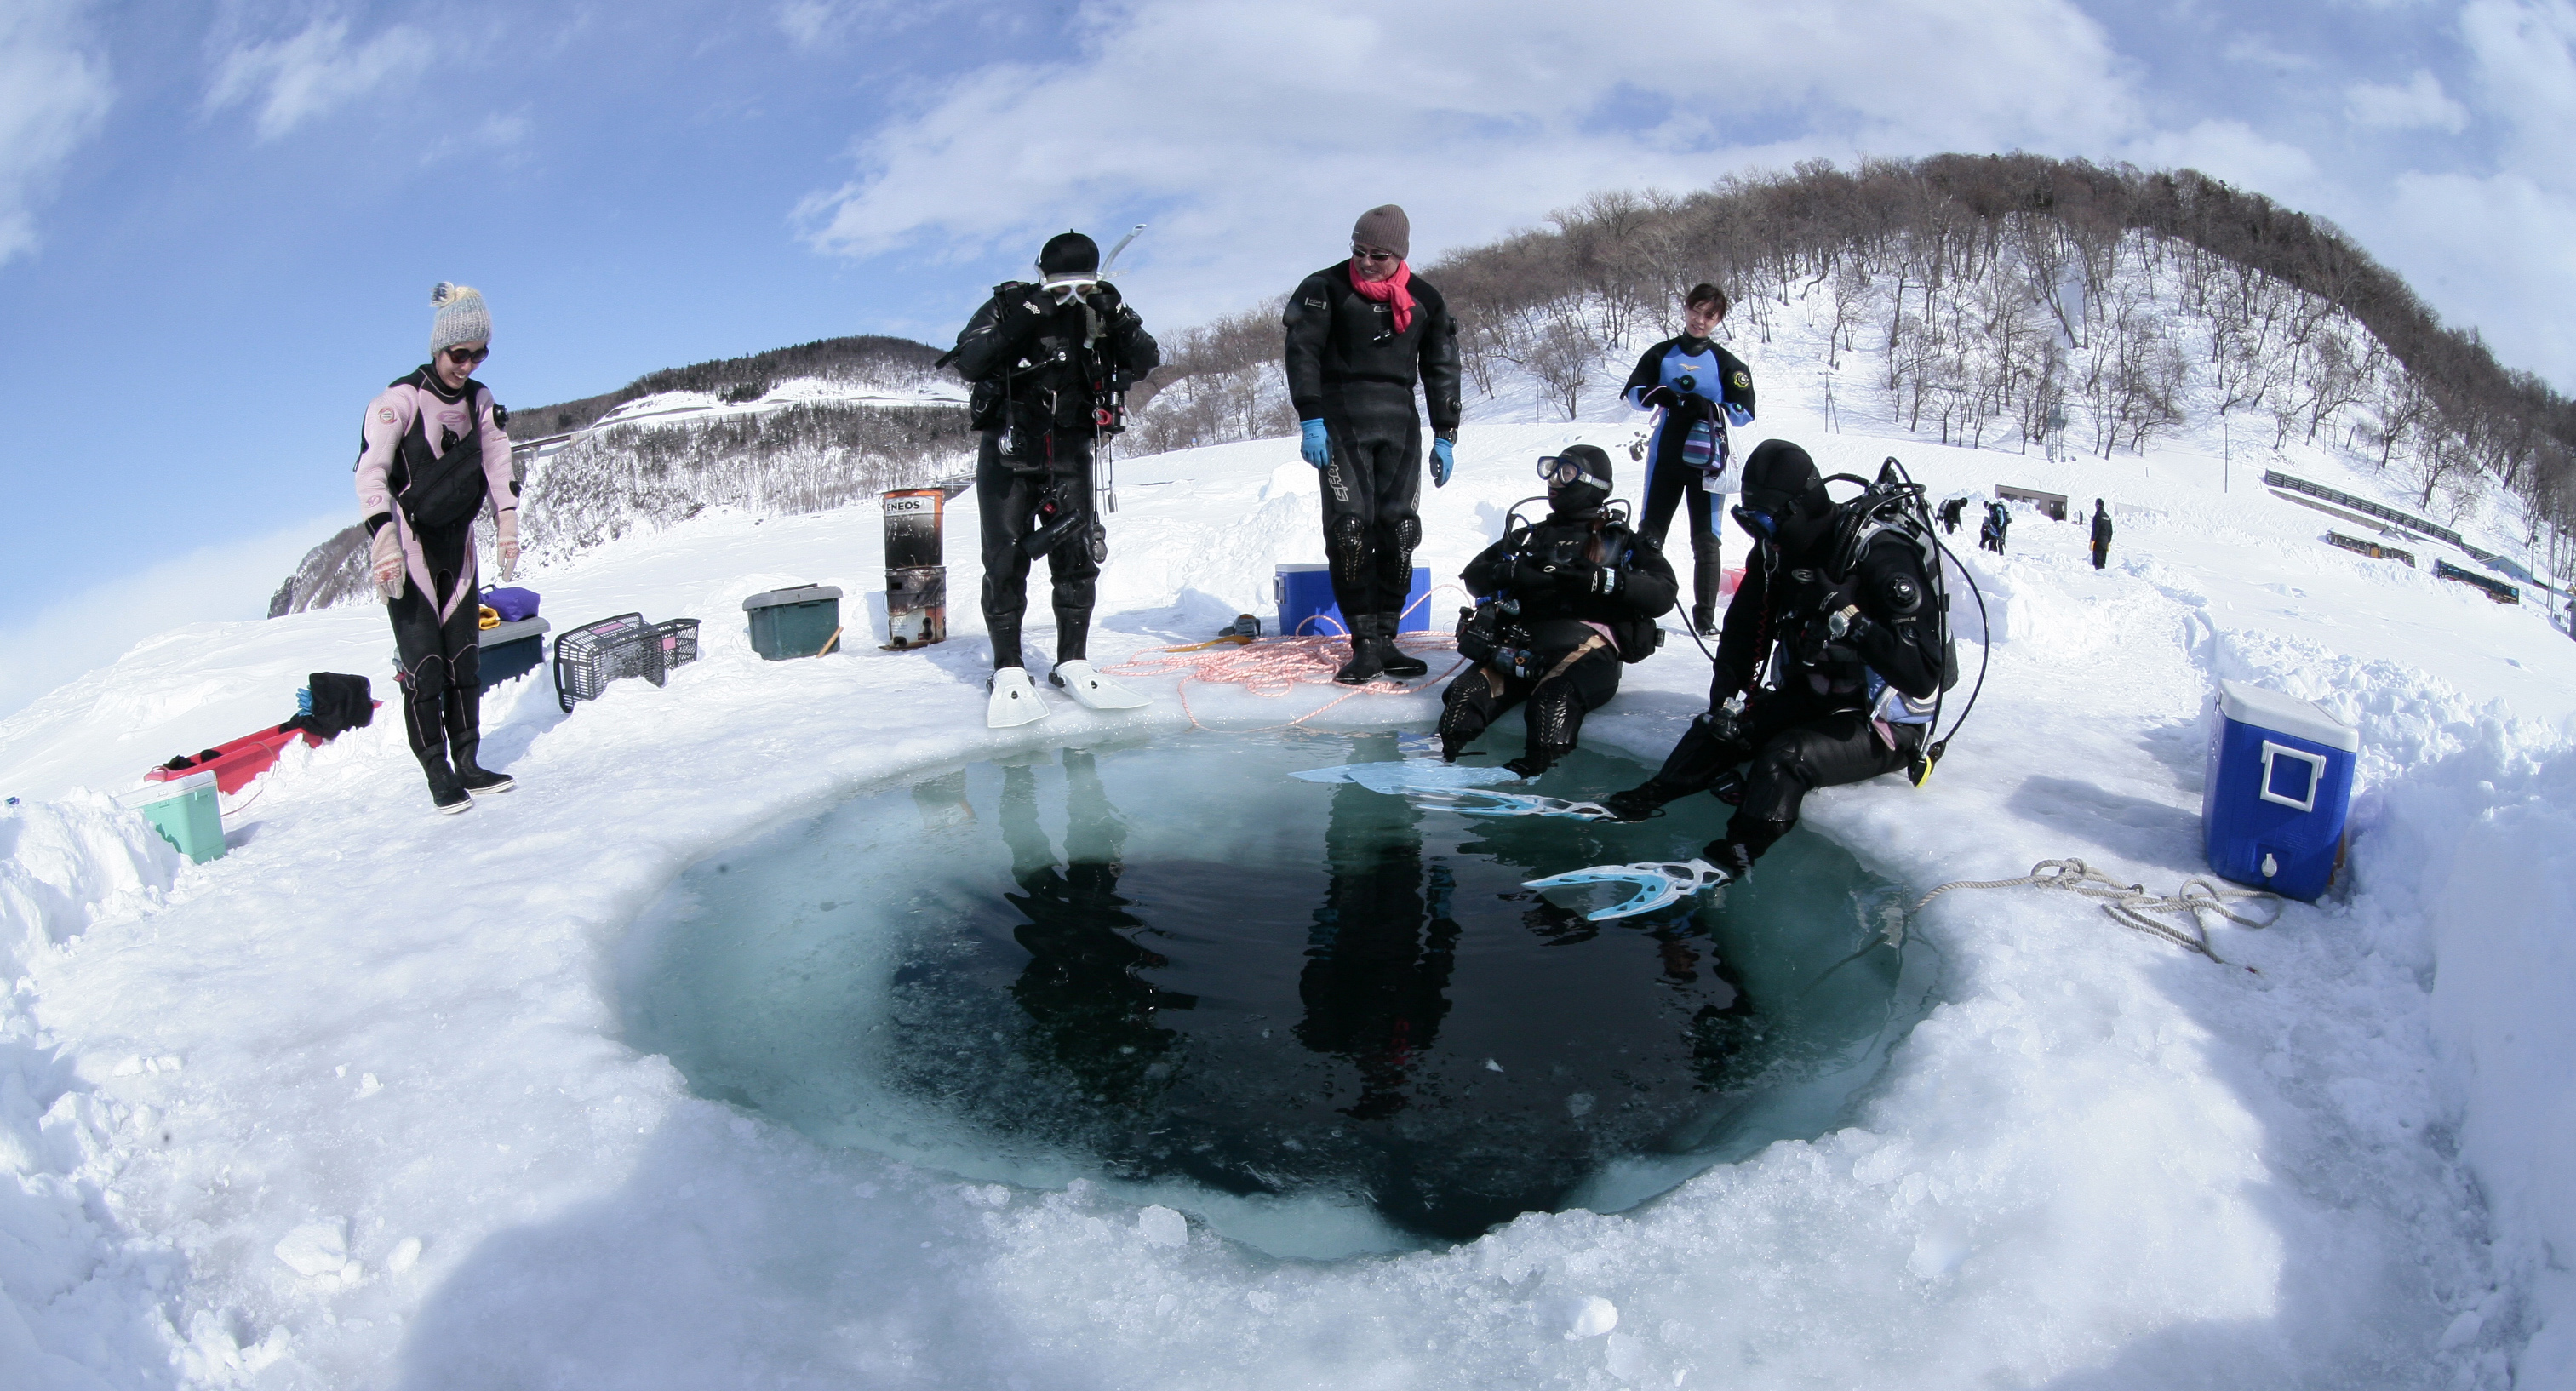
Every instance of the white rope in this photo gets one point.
(2130, 904)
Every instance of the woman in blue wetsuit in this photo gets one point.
(1688, 382)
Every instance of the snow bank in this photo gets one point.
(79, 1293)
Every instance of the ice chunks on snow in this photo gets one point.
(406, 1254)
(1576, 1316)
(316, 1248)
(1160, 1226)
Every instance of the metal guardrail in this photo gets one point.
(2501, 564)
(2365, 506)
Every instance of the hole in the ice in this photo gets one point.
(1324, 1018)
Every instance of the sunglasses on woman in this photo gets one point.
(1362, 253)
(467, 357)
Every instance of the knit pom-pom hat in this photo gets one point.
(462, 317)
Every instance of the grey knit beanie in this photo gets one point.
(1386, 228)
(462, 317)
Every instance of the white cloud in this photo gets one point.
(232, 580)
(314, 73)
(822, 25)
(1252, 132)
(2488, 249)
(2526, 55)
(2419, 105)
(54, 95)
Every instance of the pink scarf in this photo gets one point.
(1389, 290)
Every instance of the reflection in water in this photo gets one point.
(1379, 955)
(1263, 986)
(1083, 987)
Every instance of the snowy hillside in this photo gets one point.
(350, 1106)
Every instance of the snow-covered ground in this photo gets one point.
(349, 1106)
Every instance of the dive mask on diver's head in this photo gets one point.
(1558, 470)
(1760, 515)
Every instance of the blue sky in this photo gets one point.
(219, 223)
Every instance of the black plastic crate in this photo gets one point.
(679, 642)
(587, 658)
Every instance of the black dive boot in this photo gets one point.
(1394, 660)
(464, 739)
(1639, 802)
(1538, 758)
(1367, 652)
(1707, 573)
(445, 792)
(425, 725)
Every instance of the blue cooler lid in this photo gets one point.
(798, 594)
(2285, 714)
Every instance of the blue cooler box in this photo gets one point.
(511, 650)
(1305, 595)
(2278, 789)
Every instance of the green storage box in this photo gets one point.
(183, 810)
(794, 622)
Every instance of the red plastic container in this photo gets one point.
(238, 761)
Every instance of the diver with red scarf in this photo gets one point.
(1362, 334)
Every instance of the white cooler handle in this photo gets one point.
(2316, 776)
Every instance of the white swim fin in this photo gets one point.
(1091, 690)
(1014, 701)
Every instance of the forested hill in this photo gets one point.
(869, 358)
(1997, 301)
(1986, 296)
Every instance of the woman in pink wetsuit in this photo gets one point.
(433, 456)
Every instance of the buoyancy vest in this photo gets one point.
(444, 486)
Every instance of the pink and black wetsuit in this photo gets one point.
(431, 461)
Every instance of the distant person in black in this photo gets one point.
(1950, 514)
(2101, 534)
(1361, 333)
(1839, 666)
(1697, 390)
(1990, 537)
(1589, 592)
(1043, 360)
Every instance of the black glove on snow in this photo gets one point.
(1661, 396)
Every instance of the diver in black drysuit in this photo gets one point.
(1832, 642)
(1045, 362)
(1589, 592)
(1351, 376)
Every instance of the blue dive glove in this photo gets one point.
(1441, 462)
(1314, 446)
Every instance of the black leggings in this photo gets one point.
(1788, 745)
(1370, 489)
(441, 660)
(1006, 501)
(1558, 698)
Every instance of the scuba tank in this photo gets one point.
(1894, 503)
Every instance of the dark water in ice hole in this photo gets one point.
(1172, 961)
